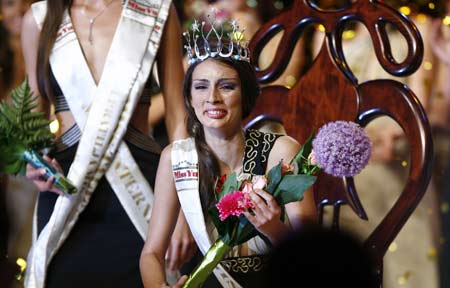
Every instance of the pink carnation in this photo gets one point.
(233, 204)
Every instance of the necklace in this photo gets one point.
(92, 20)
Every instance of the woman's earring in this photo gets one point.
(195, 129)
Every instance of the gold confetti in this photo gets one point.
(404, 163)
(445, 207)
(446, 20)
(431, 5)
(404, 278)
(427, 65)
(320, 27)
(54, 126)
(290, 81)
(432, 253)
(22, 263)
(405, 10)
(349, 34)
(393, 247)
(421, 18)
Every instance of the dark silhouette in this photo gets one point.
(322, 258)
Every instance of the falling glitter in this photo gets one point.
(404, 278)
(432, 253)
(393, 247)
(290, 81)
(445, 207)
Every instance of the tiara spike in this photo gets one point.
(213, 33)
(188, 46)
(233, 46)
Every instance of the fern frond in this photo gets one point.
(19, 120)
(23, 100)
(21, 128)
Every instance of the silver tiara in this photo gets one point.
(228, 44)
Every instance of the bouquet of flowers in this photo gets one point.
(23, 133)
(341, 149)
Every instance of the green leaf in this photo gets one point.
(245, 231)
(302, 155)
(231, 184)
(11, 157)
(273, 178)
(292, 188)
(224, 228)
(21, 128)
(13, 168)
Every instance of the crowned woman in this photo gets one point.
(220, 90)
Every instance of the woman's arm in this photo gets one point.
(162, 223)
(171, 76)
(170, 70)
(30, 44)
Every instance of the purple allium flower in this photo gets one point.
(342, 148)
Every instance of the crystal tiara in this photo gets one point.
(205, 43)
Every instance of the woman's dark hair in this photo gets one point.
(208, 164)
(53, 19)
(6, 59)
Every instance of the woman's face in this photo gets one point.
(13, 11)
(216, 96)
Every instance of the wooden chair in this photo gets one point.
(329, 91)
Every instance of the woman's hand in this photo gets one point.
(37, 176)
(266, 216)
(182, 245)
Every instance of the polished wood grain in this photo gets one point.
(329, 91)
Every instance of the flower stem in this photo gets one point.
(61, 182)
(214, 255)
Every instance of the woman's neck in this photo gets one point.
(229, 150)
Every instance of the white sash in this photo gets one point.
(185, 171)
(101, 150)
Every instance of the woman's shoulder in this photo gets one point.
(286, 145)
(286, 141)
(285, 148)
(30, 35)
(35, 16)
(33, 19)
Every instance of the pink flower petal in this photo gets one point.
(233, 204)
(259, 182)
(286, 167)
